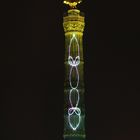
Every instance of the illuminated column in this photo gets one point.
(74, 110)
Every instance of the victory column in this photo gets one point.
(74, 109)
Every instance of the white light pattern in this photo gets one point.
(74, 62)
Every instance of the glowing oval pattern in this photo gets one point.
(77, 76)
(73, 91)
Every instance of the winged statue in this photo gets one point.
(72, 3)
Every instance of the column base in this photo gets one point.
(73, 138)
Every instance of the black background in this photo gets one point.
(32, 69)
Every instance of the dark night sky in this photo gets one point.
(32, 70)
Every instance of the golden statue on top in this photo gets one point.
(72, 3)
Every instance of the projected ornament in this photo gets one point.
(74, 109)
(74, 112)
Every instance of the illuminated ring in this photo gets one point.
(71, 112)
(77, 92)
(74, 37)
(77, 75)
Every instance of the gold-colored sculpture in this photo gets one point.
(72, 3)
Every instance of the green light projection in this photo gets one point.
(74, 107)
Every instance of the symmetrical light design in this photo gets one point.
(74, 111)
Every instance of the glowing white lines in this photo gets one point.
(74, 112)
